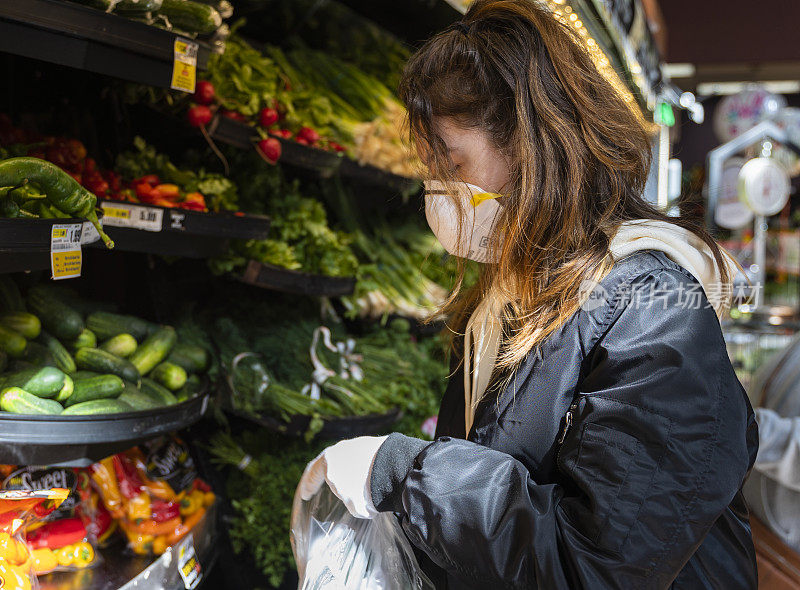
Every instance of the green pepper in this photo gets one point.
(8, 208)
(61, 189)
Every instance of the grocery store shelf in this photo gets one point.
(25, 243)
(275, 278)
(119, 569)
(323, 163)
(81, 440)
(72, 35)
(177, 232)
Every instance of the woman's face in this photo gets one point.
(475, 159)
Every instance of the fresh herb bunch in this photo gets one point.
(262, 495)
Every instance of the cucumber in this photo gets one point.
(10, 297)
(92, 388)
(154, 349)
(84, 374)
(86, 339)
(161, 395)
(170, 376)
(38, 354)
(136, 7)
(57, 317)
(38, 381)
(23, 322)
(189, 16)
(106, 325)
(66, 391)
(19, 401)
(121, 345)
(13, 343)
(97, 406)
(137, 399)
(62, 358)
(193, 359)
(94, 359)
(193, 386)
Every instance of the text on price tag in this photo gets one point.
(184, 67)
(188, 565)
(65, 250)
(135, 216)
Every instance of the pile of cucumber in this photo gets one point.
(58, 356)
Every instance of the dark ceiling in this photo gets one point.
(719, 31)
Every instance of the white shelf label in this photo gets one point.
(188, 564)
(134, 216)
(65, 250)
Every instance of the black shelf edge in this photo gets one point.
(275, 278)
(325, 164)
(77, 36)
(25, 243)
(81, 440)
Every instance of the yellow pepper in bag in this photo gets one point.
(44, 561)
(138, 508)
(14, 577)
(106, 479)
(65, 556)
(191, 502)
(83, 554)
(160, 544)
(13, 551)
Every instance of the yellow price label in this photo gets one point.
(184, 66)
(59, 232)
(116, 212)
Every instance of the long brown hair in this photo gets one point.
(579, 157)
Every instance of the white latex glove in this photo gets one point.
(346, 467)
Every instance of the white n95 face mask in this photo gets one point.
(480, 210)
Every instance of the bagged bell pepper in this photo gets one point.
(160, 498)
(66, 537)
(20, 509)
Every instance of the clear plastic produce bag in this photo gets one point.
(335, 550)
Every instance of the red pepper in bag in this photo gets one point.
(129, 483)
(162, 511)
(58, 533)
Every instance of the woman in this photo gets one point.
(593, 434)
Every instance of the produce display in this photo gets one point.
(63, 361)
(30, 187)
(300, 237)
(67, 539)
(283, 361)
(21, 510)
(153, 493)
(185, 17)
(141, 175)
(303, 95)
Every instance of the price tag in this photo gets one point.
(89, 234)
(135, 216)
(65, 250)
(184, 67)
(188, 565)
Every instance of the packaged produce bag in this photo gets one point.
(20, 509)
(66, 539)
(154, 493)
(335, 550)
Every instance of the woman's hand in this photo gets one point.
(346, 468)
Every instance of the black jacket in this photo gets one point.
(643, 492)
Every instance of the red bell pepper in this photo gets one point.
(162, 511)
(129, 483)
(199, 484)
(58, 533)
